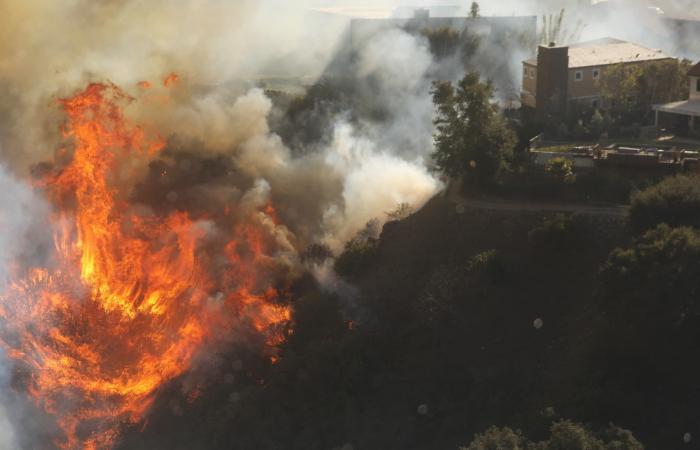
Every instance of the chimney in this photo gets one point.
(552, 80)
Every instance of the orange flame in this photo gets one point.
(171, 80)
(122, 308)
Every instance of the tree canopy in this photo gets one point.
(630, 90)
(472, 139)
(474, 10)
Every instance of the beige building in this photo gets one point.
(683, 114)
(560, 75)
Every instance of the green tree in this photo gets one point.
(675, 201)
(630, 90)
(472, 139)
(474, 10)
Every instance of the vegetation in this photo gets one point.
(555, 29)
(656, 279)
(561, 170)
(402, 211)
(359, 252)
(474, 10)
(557, 233)
(472, 139)
(436, 341)
(675, 201)
(564, 435)
(630, 90)
(446, 42)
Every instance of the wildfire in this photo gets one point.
(171, 80)
(125, 303)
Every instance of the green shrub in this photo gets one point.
(561, 170)
(675, 201)
(555, 233)
(487, 266)
(497, 439)
(564, 435)
(359, 253)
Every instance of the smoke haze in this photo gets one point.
(359, 171)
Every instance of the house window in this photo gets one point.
(596, 74)
(594, 104)
(578, 76)
(697, 85)
(532, 72)
(525, 72)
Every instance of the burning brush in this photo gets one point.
(129, 296)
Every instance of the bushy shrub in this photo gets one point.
(401, 212)
(555, 233)
(564, 435)
(675, 201)
(357, 256)
(359, 251)
(561, 170)
(487, 266)
(657, 277)
(497, 439)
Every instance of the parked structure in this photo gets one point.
(681, 116)
(562, 75)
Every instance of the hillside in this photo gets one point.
(462, 319)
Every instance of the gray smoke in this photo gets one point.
(360, 170)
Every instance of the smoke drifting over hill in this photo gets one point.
(192, 68)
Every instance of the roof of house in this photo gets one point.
(694, 71)
(603, 52)
(687, 108)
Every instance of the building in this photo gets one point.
(562, 75)
(681, 116)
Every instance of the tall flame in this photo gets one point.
(123, 307)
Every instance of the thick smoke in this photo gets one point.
(8, 440)
(213, 116)
(23, 237)
(220, 50)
